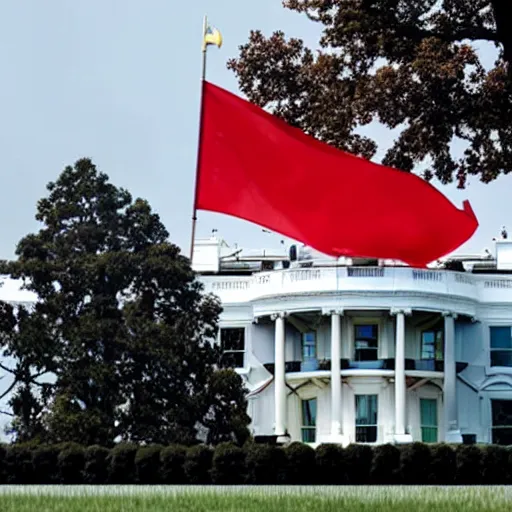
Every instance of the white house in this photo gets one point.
(367, 351)
(358, 350)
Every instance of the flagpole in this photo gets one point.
(198, 158)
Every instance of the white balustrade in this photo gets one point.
(476, 287)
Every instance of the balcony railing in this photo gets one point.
(422, 365)
(482, 288)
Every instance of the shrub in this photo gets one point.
(95, 465)
(266, 464)
(468, 465)
(495, 465)
(70, 462)
(228, 464)
(198, 464)
(442, 465)
(3, 468)
(44, 464)
(172, 460)
(385, 464)
(330, 463)
(415, 462)
(18, 464)
(121, 464)
(147, 464)
(359, 461)
(300, 464)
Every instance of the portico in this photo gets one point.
(349, 365)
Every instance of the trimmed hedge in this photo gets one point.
(257, 464)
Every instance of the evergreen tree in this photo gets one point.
(121, 325)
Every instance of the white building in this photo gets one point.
(367, 351)
(359, 350)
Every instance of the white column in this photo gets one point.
(400, 385)
(279, 376)
(452, 432)
(336, 385)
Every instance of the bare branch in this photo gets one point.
(9, 389)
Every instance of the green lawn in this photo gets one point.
(266, 499)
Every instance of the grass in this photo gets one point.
(268, 499)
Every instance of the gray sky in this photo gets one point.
(118, 81)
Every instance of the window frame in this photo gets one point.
(243, 329)
(374, 426)
(494, 427)
(303, 344)
(362, 323)
(425, 426)
(499, 349)
(437, 350)
(306, 430)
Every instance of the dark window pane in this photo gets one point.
(501, 422)
(432, 344)
(232, 360)
(501, 413)
(501, 337)
(308, 435)
(366, 331)
(366, 409)
(366, 342)
(366, 418)
(502, 436)
(366, 354)
(232, 338)
(501, 358)
(366, 434)
(309, 412)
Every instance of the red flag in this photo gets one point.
(254, 166)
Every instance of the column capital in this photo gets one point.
(450, 314)
(333, 311)
(281, 314)
(404, 311)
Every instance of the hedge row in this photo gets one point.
(256, 464)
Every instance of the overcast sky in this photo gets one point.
(118, 81)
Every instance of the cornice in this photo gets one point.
(366, 293)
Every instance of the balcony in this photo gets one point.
(421, 365)
(470, 287)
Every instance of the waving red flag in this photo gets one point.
(254, 166)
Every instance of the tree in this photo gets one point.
(411, 65)
(121, 323)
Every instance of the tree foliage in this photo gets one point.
(412, 65)
(118, 344)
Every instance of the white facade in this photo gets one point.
(343, 351)
(358, 351)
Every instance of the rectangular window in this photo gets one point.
(432, 344)
(501, 346)
(428, 420)
(366, 342)
(366, 418)
(309, 420)
(501, 422)
(232, 344)
(308, 345)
